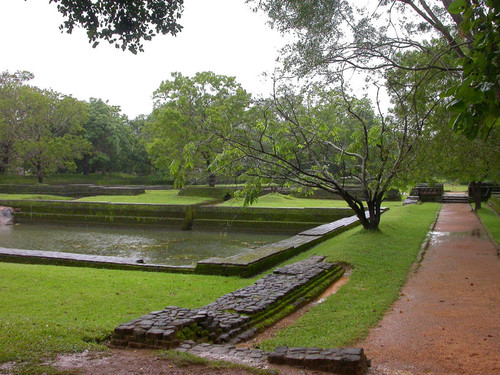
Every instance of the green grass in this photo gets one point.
(494, 203)
(381, 261)
(150, 196)
(280, 200)
(452, 186)
(491, 221)
(33, 196)
(49, 309)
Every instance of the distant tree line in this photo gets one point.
(43, 132)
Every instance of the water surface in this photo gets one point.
(153, 245)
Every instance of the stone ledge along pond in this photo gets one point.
(152, 245)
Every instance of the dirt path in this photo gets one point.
(447, 320)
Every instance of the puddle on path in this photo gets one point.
(438, 237)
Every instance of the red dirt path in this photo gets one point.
(447, 320)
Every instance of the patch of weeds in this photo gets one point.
(37, 369)
(183, 359)
(97, 338)
(224, 365)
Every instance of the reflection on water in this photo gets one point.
(153, 245)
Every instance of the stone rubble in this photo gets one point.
(211, 331)
(232, 318)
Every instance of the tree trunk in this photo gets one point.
(211, 180)
(374, 209)
(211, 176)
(372, 222)
(5, 158)
(39, 173)
(476, 194)
(86, 165)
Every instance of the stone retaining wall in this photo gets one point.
(199, 216)
(174, 216)
(260, 259)
(236, 316)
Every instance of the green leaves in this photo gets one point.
(476, 99)
(123, 23)
(457, 7)
(189, 112)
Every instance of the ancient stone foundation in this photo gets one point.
(235, 317)
(350, 361)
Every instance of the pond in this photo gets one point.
(153, 245)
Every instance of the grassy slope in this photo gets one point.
(491, 221)
(49, 309)
(151, 196)
(381, 262)
(280, 200)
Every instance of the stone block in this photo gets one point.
(154, 334)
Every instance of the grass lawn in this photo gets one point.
(150, 196)
(280, 200)
(491, 221)
(49, 309)
(450, 186)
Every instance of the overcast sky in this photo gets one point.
(223, 36)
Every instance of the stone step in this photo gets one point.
(455, 198)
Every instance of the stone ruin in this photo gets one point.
(239, 315)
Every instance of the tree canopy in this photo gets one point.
(39, 129)
(124, 23)
(42, 132)
(186, 109)
(333, 39)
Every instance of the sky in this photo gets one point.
(223, 36)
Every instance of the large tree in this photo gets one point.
(11, 88)
(324, 140)
(336, 39)
(186, 108)
(48, 137)
(106, 130)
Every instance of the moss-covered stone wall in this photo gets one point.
(291, 220)
(92, 212)
(70, 190)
